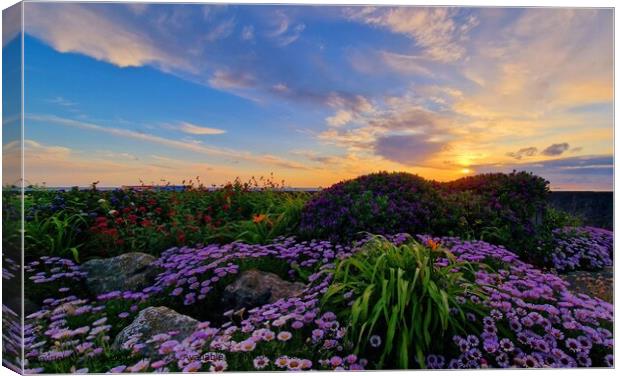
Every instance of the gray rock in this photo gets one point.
(151, 321)
(254, 288)
(129, 271)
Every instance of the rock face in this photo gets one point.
(155, 320)
(129, 271)
(254, 288)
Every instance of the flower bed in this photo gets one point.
(528, 318)
(576, 248)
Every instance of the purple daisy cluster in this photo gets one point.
(66, 330)
(576, 248)
(532, 320)
(529, 319)
(49, 269)
(191, 273)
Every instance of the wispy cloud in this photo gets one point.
(198, 129)
(75, 167)
(176, 144)
(221, 31)
(407, 64)
(226, 79)
(247, 33)
(435, 30)
(62, 102)
(285, 32)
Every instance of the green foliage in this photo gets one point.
(56, 235)
(404, 293)
(556, 218)
(279, 219)
(505, 209)
(88, 223)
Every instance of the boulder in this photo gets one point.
(151, 321)
(254, 288)
(129, 271)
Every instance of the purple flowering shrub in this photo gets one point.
(380, 203)
(504, 209)
(527, 318)
(587, 248)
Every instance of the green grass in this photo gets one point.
(401, 294)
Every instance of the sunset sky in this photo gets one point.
(315, 94)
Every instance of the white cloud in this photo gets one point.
(435, 30)
(83, 29)
(280, 88)
(283, 33)
(247, 33)
(221, 30)
(408, 64)
(199, 130)
(62, 102)
(341, 118)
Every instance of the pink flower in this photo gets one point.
(284, 336)
(218, 366)
(193, 366)
(261, 362)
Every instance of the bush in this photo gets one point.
(381, 203)
(407, 292)
(506, 209)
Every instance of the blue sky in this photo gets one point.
(121, 93)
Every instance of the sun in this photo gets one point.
(465, 171)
